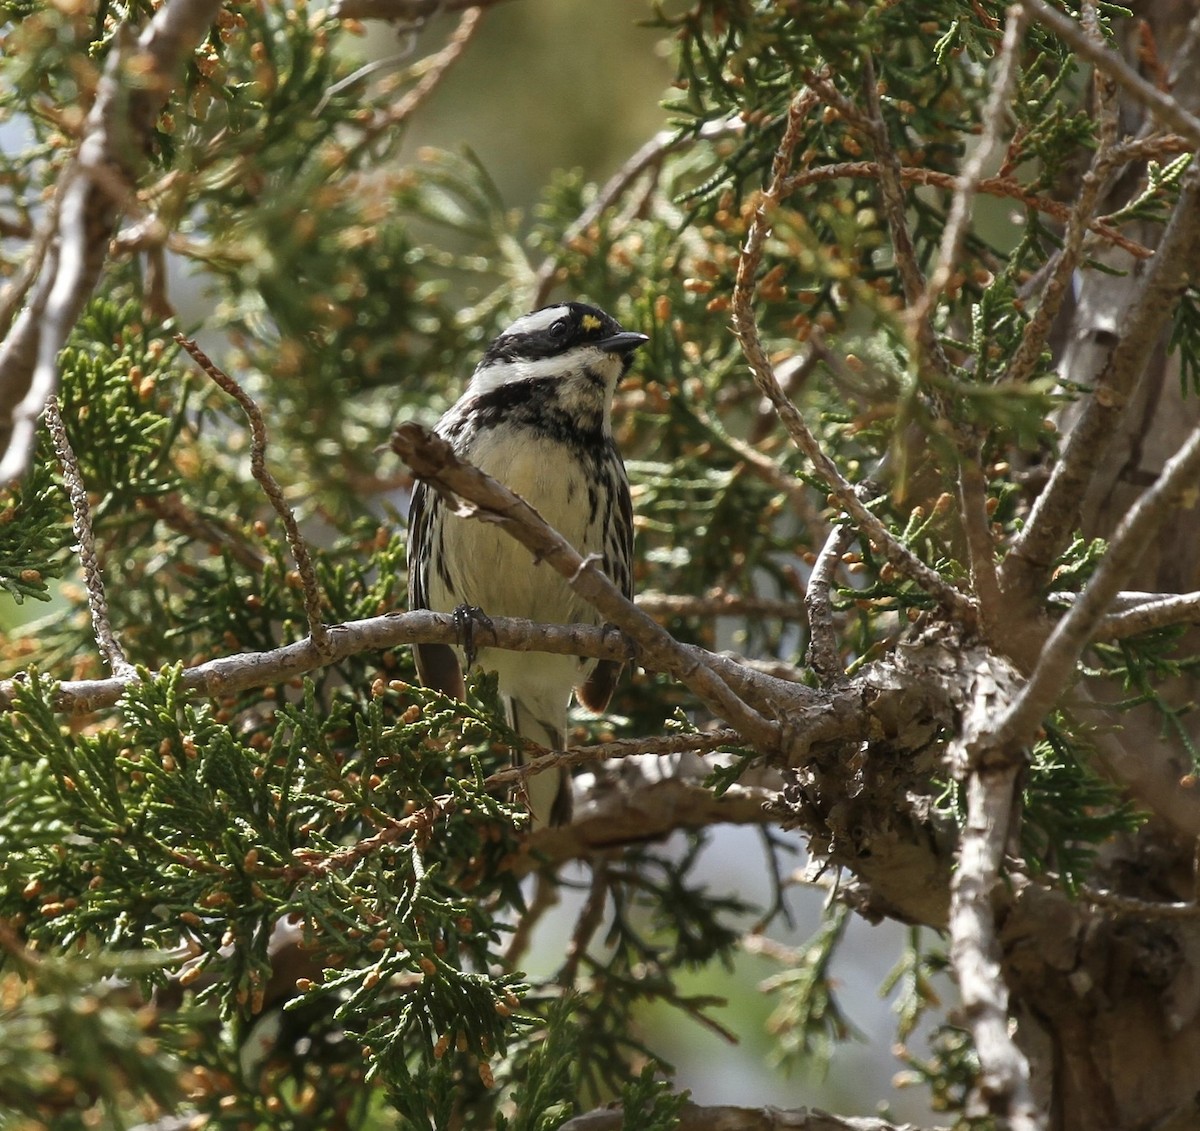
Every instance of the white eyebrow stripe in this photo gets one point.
(539, 320)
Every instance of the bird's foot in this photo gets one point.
(466, 619)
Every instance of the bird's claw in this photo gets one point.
(466, 618)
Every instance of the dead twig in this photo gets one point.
(89, 558)
(313, 598)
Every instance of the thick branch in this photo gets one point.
(975, 950)
(1054, 514)
(1173, 492)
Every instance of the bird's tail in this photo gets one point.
(548, 793)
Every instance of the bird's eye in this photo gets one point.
(560, 329)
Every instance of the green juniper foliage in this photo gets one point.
(178, 844)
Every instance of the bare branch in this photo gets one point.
(618, 748)
(1160, 104)
(981, 547)
(258, 468)
(975, 950)
(81, 525)
(824, 655)
(588, 923)
(227, 675)
(996, 186)
(1172, 492)
(433, 460)
(746, 328)
(96, 184)
(1052, 518)
(1161, 610)
(1033, 338)
(894, 204)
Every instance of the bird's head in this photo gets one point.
(570, 341)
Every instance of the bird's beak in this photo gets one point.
(625, 342)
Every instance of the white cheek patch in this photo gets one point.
(563, 367)
(539, 320)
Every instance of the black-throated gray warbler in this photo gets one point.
(537, 416)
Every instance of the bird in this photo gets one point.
(537, 416)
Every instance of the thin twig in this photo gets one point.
(313, 599)
(1026, 356)
(618, 748)
(1161, 611)
(435, 69)
(718, 605)
(1033, 338)
(745, 327)
(649, 157)
(433, 460)
(545, 897)
(81, 525)
(824, 656)
(1142, 908)
(957, 220)
(1052, 518)
(894, 205)
(1006, 187)
(1160, 104)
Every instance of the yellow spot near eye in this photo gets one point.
(591, 322)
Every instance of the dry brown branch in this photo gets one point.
(313, 599)
(647, 159)
(981, 547)
(693, 1117)
(991, 186)
(89, 558)
(718, 605)
(590, 918)
(434, 69)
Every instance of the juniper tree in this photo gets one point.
(915, 431)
